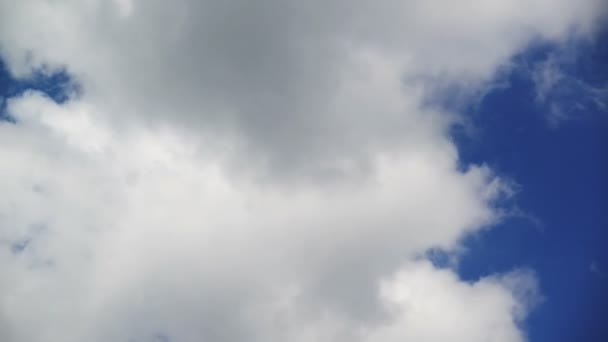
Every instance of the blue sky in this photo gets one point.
(563, 195)
(178, 184)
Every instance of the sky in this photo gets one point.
(389, 170)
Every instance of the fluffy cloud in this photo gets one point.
(253, 171)
(289, 81)
(139, 227)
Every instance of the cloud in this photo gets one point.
(566, 96)
(272, 75)
(260, 171)
(546, 77)
(432, 305)
(140, 227)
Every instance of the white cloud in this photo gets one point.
(270, 73)
(546, 77)
(566, 96)
(252, 171)
(139, 225)
(432, 305)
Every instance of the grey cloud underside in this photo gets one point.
(278, 75)
(254, 171)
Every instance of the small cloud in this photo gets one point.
(546, 75)
(565, 94)
(597, 269)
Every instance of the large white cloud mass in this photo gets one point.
(254, 170)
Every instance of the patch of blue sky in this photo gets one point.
(559, 226)
(56, 84)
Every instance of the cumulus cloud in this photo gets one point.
(140, 227)
(240, 171)
(279, 76)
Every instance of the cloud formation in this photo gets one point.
(239, 171)
(287, 81)
(567, 97)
